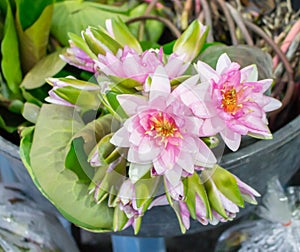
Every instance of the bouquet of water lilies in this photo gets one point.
(141, 133)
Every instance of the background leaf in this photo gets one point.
(31, 112)
(30, 10)
(54, 129)
(46, 67)
(76, 16)
(10, 63)
(34, 40)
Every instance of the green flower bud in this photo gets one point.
(191, 41)
(121, 33)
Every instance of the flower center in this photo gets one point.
(163, 127)
(230, 100)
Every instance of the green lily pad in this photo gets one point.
(54, 130)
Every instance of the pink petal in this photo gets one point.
(168, 158)
(136, 138)
(133, 69)
(160, 201)
(239, 128)
(211, 126)
(246, 188)
(160, 85)
(126, 192)
(200, 210)
(231, 139)
(228, 205)
(133, 156)
(190, 82)
(185, 214)
(223, 63)
(55, 99)
(255, 124)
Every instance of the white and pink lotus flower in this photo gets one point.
(163, 107)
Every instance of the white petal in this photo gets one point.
(249, 74)
(266, 84)
(174, 176)
(130, 103)
(137, 171)
(192, 81)
(204, 156)
(176, 191)
(186, 162)
(231, 139)
(120, 138)
(109, 28)
(223, 63)
(228, 205)
(159, 166)
(160, 85)
(272, 105)
(206, 72)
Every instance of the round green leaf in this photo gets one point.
(54, 129)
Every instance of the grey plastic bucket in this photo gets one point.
(254, 164)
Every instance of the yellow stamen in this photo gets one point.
(163, 127)
(230, 100)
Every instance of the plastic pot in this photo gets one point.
(254, 164)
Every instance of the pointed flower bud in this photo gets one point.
(120, 32)
(72, 92)
(78, 58)
(226, 193)
(127, 208)
(99, 41)
(191, 41)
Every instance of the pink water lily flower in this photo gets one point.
(230, 100)
(128, 63)
(161, 133)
